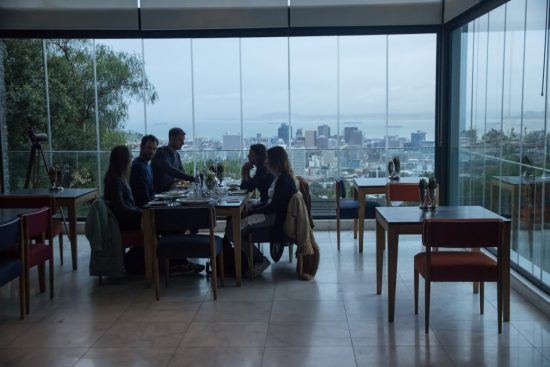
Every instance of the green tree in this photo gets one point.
(72, 101)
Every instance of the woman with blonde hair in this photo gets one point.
(272, 214)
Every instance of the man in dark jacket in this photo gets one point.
(166, 162)
(141, 175)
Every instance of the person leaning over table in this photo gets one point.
(166, 163)
(262, 178)
(141, 174)
(272, 214)
(119, 198)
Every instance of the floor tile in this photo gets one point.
(401, 356)
(218, 357)
(122, 357)
(308, 333)
(309, 357)
(32, 357)
(225, 334)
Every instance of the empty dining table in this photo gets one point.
(397, 221)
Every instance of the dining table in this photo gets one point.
(372, 186)
(228, 204)
(396, 221)
(68, 198)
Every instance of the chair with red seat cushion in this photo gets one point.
(131, 238)
(22, 201)
(37, 227)
(11, 263)
(459, 266)
(404, 192)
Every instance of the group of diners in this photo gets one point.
(130, 185)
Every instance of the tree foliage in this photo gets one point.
(72, 86)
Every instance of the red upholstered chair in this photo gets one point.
(38, 202)
(407, 192)
(37, 227)
(459, 266)
(132, 238)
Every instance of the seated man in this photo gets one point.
(166, 163)
(141, 174)
(262, 178)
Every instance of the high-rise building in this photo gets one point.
(348, 131)
(356, 138)
(418, 138)
(311, 138)
(231, 141)
(299, 160)
(323, 130)
(299, 133)
(322, 142)
(283, 132)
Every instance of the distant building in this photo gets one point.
(322, 142)
(231, 141)
(299, 133)
(299, 161)
(418, 138)
(348, 132)
(323, 130)
(311, 138)
(283, 132)
(356, 138)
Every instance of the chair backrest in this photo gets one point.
(402, 192)
(303, 186)
(462, 233)
(9, 234)
(38, 222)
(175, 219)
(340, 188)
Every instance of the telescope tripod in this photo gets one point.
(34, 162)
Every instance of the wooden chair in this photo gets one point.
(37, 227)
(402, 192)
(170, 243)
(58, 223)
(12, 259)
(349, 209)
(459, 266)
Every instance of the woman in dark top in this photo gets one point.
(117, 192)
(272, 214)
(262, 178)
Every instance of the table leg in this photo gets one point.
(380, 238)
(506, 272)
(393, 239)
(147, 246)
(361, 219)
(236, 223)
(72, 234)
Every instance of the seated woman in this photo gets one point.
(119, 197)
(262, 178)
(272, 214)
(117, 191)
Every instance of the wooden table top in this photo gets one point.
(63, 194)
(415, 215)
(382, 181)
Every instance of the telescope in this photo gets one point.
(35, 138)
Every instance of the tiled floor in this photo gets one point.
(276, 320)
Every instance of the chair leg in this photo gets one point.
(416, 292)
(300, 260)
(27, 291)
(222, 268)
(499, 306)
(290, 248)
(61, 248)
(214, 276)
(427, 305)
(156, 278)
(166, 270)
(21, 297)
(338, 232)
(250, 257)
(355, 221)
(42, 277)
(481, 297)
(51, 277)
